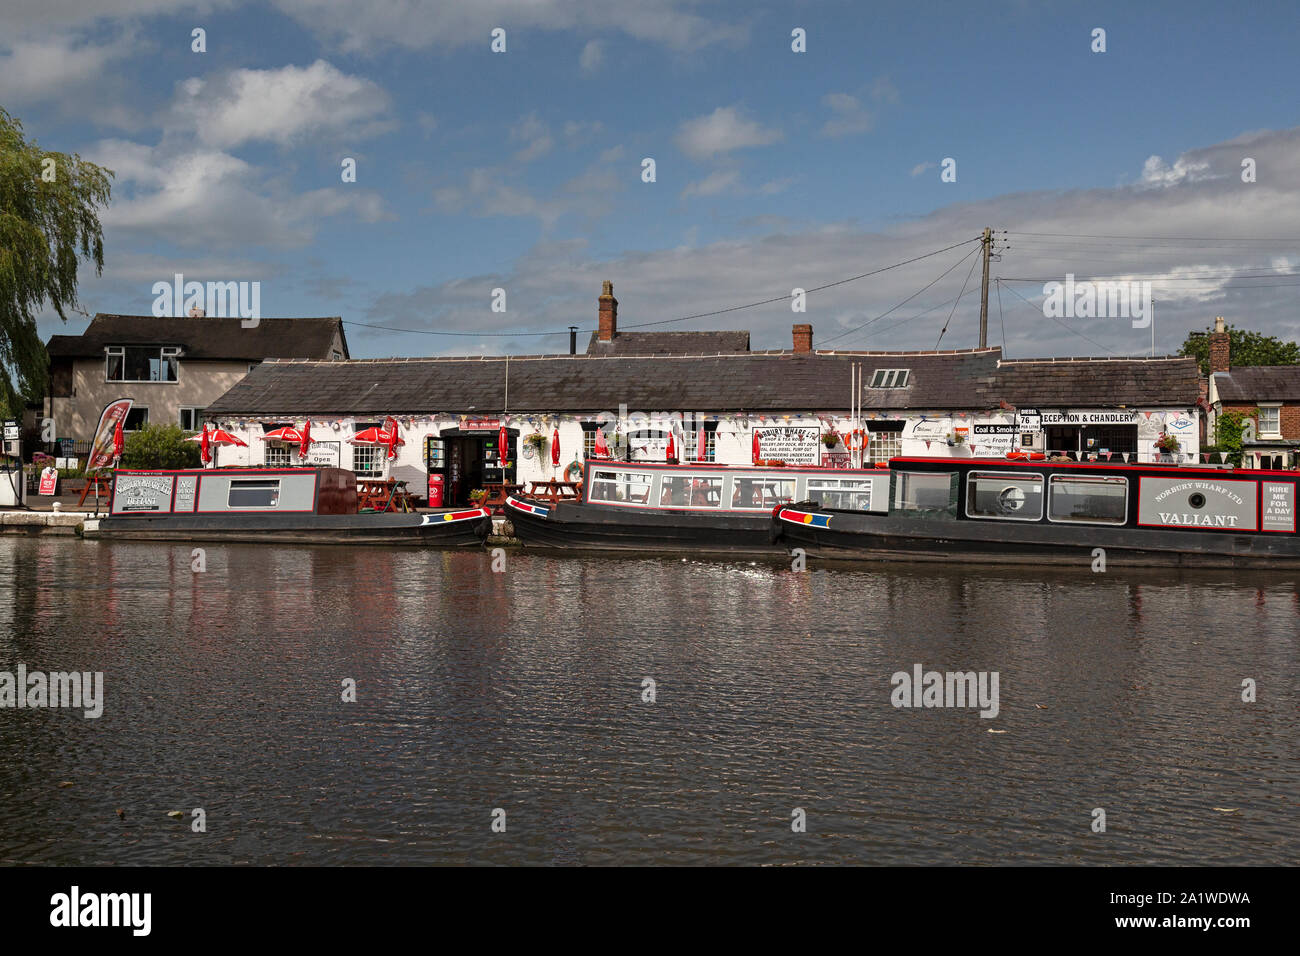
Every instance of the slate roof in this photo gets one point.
(670, 343)
(1259, 383)
(1098, 382)
(205, 338)
(753, 381)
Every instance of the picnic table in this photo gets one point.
(553, 491)
(384, 495)
(497, 492)
(101, 486)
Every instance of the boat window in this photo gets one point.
(1093, 499)
(843, 494)
(924, 491)
(690, 491)
(1011, 497)
(254, 493)
(621, 486)
(762, 493)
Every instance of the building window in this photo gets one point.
(336, 356)
(132, 363)
(277, 454)
(191, 419)
(710, 443)
(1270, 421)
(136, 419)
(890, 378)
(368, 460)
(882, 446)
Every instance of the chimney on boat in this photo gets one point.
(1220, 357)
(802, 339)
(608, 326)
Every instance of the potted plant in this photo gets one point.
(477, 495)
(1167, 444)
(537, 441)
(830, 439)
(957, 438)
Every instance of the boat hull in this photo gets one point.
(446, 529)
(578, 526)
(846, 536)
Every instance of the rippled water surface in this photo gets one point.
(523, 691)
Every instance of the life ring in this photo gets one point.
(573, 472)
(857, 440)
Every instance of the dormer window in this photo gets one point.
(890, 378)
(141, 363)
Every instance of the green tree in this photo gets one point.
(49, 222)
(1227, 432)
(1245, 348)
(160, 446)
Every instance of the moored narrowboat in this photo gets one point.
(695, 507)
(287, 505)
(994, 511)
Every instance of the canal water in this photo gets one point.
(521, 697)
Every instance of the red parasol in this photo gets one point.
(756, 451)
(205, 446)
(671, 452)
(287, 433)
(217, 437)
(392, 439)
(374, 436)
(701, 446)
(601, 447)
(119, 442)
(555, 448)
(305, 444)
(503, 446)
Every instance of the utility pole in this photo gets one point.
(984, 289)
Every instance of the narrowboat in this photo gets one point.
(659, 507)
(286, 505)
(993, 511)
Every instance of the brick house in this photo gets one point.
(1269, 395)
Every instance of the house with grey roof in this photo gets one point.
(1267, 395)
(957, 402)
(172, 368)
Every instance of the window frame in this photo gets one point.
(1111, 480)
(689, 477)
(165, 352)
(244, 483)
(834, 484)
(196, 417)
(974, 475)
(1272, 407)
(890, 378)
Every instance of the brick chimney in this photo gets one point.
(1220, 359)
(608, 327)
(802, 339)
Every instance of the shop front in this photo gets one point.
(466, 459)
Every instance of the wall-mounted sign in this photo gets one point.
(929, 429)
(1205, 503)
(1089, 418)
(798, 446)
(11, 430)
(1029, 420)
(481, 424)
(323, 454)
(994, 436)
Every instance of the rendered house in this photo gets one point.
(172, 368)
(1269, 395)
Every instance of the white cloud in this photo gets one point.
(919, 168)
(536, 136)
(281, 105)
(720, 181)
(1156, 172)
(721, 131)
(593, 55)
(850, 115)
(80, 77)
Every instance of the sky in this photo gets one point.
(524, 170)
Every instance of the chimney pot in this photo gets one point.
(607, 326)
(802, 339)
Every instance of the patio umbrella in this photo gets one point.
(756, 451)
(701, 446)
(288, 433)
(503, 446)
(671, 451)
(392, 438)
(305, 444)
(217, 437)
(601, 447)
(555, 448)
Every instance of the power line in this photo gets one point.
(939, 305)
(954, 308)
(899, 305)
(1070, 235)
(1059, 322)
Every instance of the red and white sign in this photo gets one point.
(101, 451)
(49, 481)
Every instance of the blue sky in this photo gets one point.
(522, 170)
